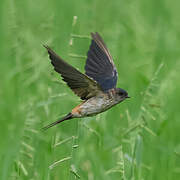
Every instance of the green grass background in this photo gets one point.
(138, 139)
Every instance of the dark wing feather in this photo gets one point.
(82, 85)
(99, 64)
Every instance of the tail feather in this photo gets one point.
(67, 117)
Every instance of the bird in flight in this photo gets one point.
(97, 87)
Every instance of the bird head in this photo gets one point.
(121, 94)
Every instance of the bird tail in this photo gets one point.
(67, 117)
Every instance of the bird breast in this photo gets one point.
(94, 106)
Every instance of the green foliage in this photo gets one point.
(137, 139)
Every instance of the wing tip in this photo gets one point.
(95, 35)
(46, 46)
(50, 51)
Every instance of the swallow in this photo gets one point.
(97, 87)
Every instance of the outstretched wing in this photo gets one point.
(82, 85)
(99, 64)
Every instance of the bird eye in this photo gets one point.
(121, 93)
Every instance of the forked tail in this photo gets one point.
(68, 116)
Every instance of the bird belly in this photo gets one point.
(94, 106)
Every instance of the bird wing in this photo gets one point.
(99, 64)
(81, 84)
